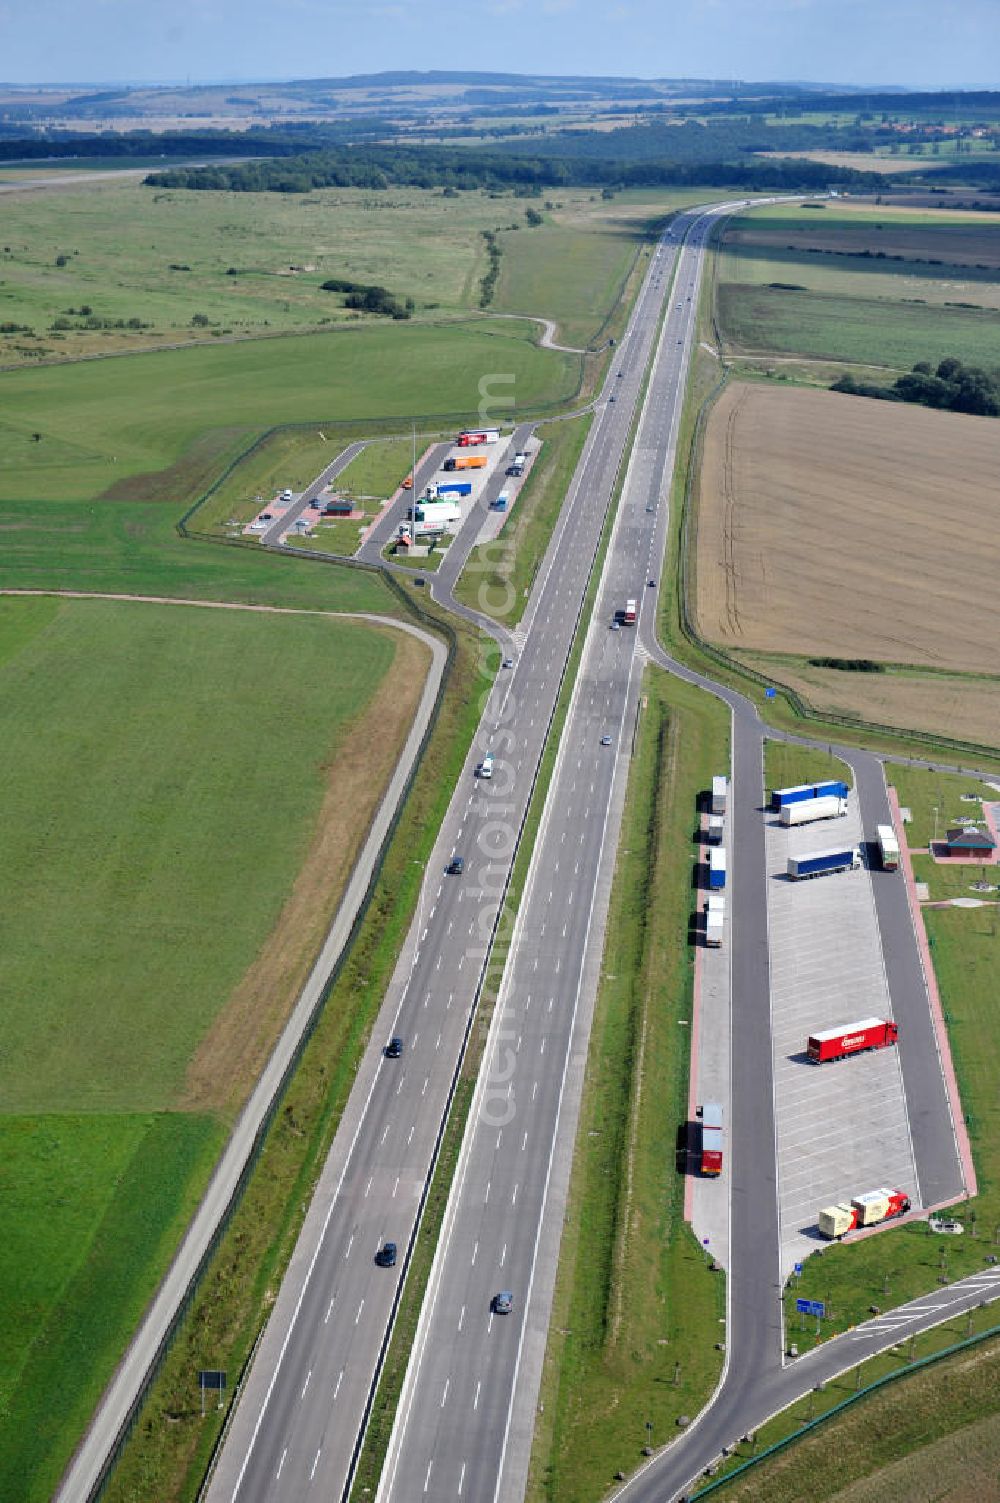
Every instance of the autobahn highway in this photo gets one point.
(464, 1425)
(465, 1419)
(297, 1425)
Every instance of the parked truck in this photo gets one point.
(888, 847)
(851, 1038)
(717, 868)
(710, 1161)
(832, 788)
(433, 515)
(438, 489)
(716, 826)
(502, 501)
(822, 863)
(471, 436)
(720, 790)
(465, 462)
(869, 1209)
(810, 809)
(715, 918)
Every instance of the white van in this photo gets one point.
(486, 766)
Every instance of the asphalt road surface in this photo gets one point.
(298, 1423)
(464, 1422)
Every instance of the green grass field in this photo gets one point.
(786, 764)
(637, 1311)
(136, 549)
(143, 868)
(104, 424)
(869, 286)
(567, 273)
(92, 1207)
(150, 844)
(855, 330)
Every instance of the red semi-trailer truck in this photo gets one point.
(711, 1138)
(851, 1038)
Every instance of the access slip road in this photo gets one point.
(298, 1424)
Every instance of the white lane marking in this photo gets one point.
(340, 1379)
(486, 1196)
(360, 1308)
(427, 1479)
(409, 1136)
(281, 1463)
(395, 1187)
(461, 1318)
(314, 1466)
(306, 1384)
(438, 1044)
(426, 1084)
(475, 1401)
(461, 1479)
(475, 1249)
(499, 1137)
(517, 1046)
(401, 1079)
(451, 998)
(513, 1198)
(542, 1049)
(503, 1255)
(385, 1133)
(349, 1246)
(413, 1041)
(524, 1142)
(534, 1090)
(368, 1186)
(329, 1309)
(444, 1395)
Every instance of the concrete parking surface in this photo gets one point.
(842, 1127)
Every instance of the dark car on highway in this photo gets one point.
(503, 1303)
(386, 1255)
(394, 1048)
(456, 866)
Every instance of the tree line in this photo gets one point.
(377, 167)
(952, 387)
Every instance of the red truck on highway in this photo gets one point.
(851, 1038)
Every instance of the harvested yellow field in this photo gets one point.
(967, 709)
(831, 525)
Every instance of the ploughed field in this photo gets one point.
(832, 525)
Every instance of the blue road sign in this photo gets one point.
(770, 693)
(798, 1268)
(811, 1307)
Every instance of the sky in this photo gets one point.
(920, 43)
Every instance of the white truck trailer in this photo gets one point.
(810, 809)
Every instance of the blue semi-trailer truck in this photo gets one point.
(832, 788)
(717, 868)
(822, 863)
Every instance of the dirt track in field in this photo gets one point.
(837, 525)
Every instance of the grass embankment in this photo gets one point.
(170, 1447)
(906, 1261)
(636, 1310)
(122, 423)
(786, 765)
(160, 900)
(930, 1436)
(498, 576)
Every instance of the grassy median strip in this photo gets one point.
(636, 1312)
(931, 1432)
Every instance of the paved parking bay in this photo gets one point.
(842, 1127)
(710, 1198)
